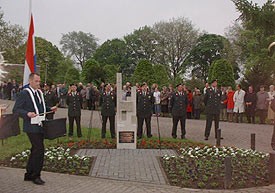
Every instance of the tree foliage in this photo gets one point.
(79, 45)
(209, 48)
(175, 39)
(72, 76)
(223, 71)
(257, 32)
(93, 72)
(160, 75)
(144, 72)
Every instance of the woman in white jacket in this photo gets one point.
(239, 107)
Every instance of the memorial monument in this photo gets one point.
(126, 118)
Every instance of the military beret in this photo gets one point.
(73, 85)
(144, 83)
(178, 85)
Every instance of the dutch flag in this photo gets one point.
(30, 62)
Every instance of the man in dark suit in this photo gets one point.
(50, 100)
(73, 101)
(178, 105)
(212, 100)
(108, 105)
(29, 105)
(145, 101)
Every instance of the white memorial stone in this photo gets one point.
(126, 118)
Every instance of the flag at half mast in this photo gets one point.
(30, 61)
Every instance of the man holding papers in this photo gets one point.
(30, 105)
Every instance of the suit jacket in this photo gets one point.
(108, 104)
(74, 104)
(179, 104)
(144, 104)
(50, 99)
(212, 101)
(22, 106)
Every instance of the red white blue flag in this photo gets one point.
(30, 62)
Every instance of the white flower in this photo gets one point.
(13, 158)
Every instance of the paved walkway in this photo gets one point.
(139, 165)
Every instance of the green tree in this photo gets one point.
(93, 72)
(12, 39)
(115, 52)
(110, 73)
(209, 47)
(79, 45)
(254, 36)
(62, 69)
(174, 41)
(48, 57)
(144, 72)
(223, 71)
(160, 75)
(72, 76)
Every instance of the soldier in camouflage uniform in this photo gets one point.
(108, 111)
(212, 100)
(73, 101)
(145, 101)
(178, 103)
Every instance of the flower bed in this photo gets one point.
(203, 167)
(56, 160)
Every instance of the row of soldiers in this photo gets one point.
(145, 101)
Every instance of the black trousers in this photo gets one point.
(140, 126)
(209, 119)
(71, 126)
(36, 159)
(182, 120)
(112, 126)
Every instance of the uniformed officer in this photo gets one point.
(212, 100)
(108, 105)
(51, 100)
(178, 104)
(73, 101)
(145, 101)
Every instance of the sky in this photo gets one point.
(108, 19)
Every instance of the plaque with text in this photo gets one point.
(126, 137)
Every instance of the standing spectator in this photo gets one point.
(230, 104)
(108, 105)
(73, 101)
(83, 94)
(94, 96)
(9, 89)
(179, 102)
(164, 99)
(157, 107)
(145, 102)
(170, 94)
(262, 104)
(189, 108)
(239, 103)
(88, 88)
(124, 93)
(197, 104)
(223, 113)
(212, 101)
(250, 104)
(63, 93)
(271, 95)
(14, 90)
(205, 88)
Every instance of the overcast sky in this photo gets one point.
(108, 19)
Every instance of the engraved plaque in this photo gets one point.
(126, 137)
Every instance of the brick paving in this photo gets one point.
(139, 165)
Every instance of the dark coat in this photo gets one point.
(145, 104)
(212, 101)
(108, 104)
(74, 104)
(22, 106)
(51, 98)
(250, 98)
(179, 104)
